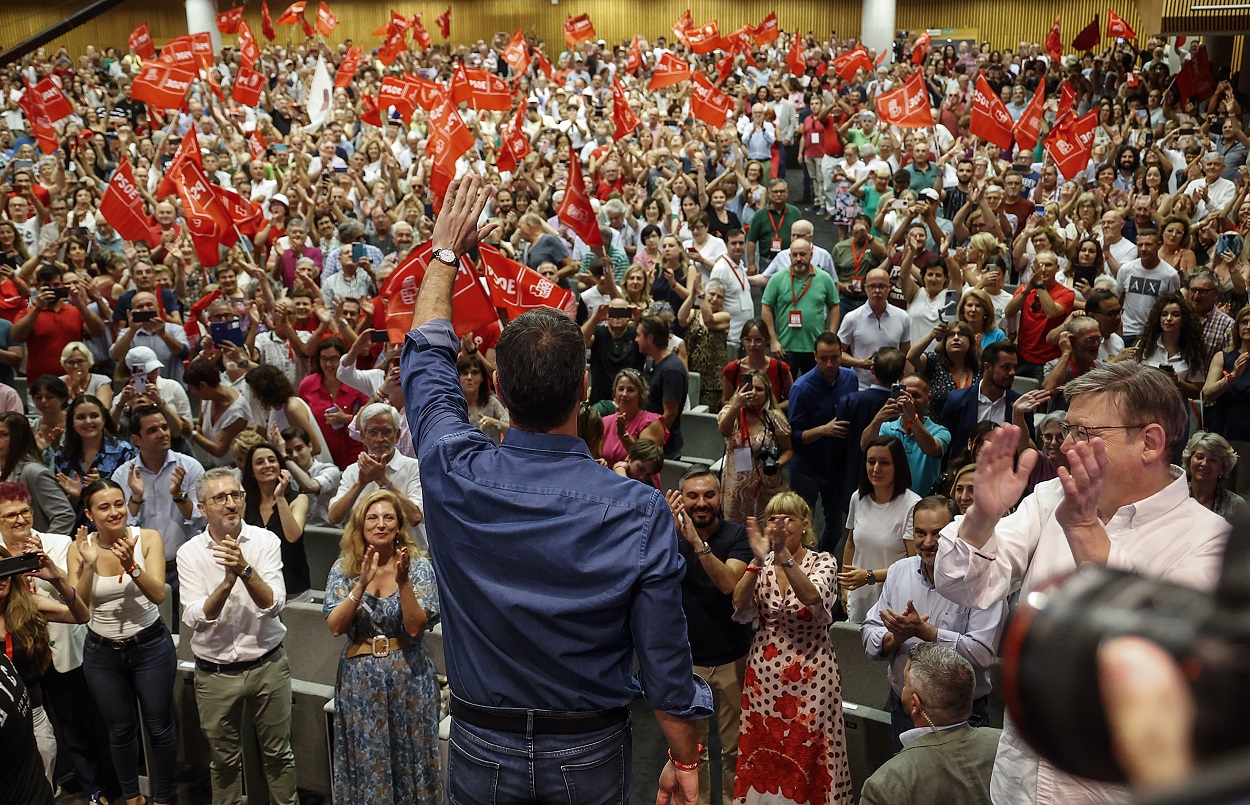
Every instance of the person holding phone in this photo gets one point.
(58, 315)
(332, 402)
(354, 280)
(146, 327)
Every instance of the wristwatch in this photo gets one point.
(872, 577)
(705, 551)
(134, 571)
(247, 573)
(445, 256)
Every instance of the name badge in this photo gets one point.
(796, 319)
(742, 459)
(815, 138)
(776, 247)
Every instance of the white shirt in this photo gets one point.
(991, 410)
(880, 531)
(65, 639)
(1219, 194)
(242, 631)
(1123, 250)
(713, 247)
(1167, 535)
(1142, 286)
(821, 258)
(863, 332)
(738, 302)
(405, 478)
(1112, 345)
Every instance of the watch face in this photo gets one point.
(444, 256)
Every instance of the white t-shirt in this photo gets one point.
(711, 251)
(863, 333)
(1142, 286)
(738, 302)
(879, 533)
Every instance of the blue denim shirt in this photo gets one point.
(553, 571)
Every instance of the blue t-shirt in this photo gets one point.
(924, 468)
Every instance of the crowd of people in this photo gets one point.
(946, 353)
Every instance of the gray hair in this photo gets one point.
(943, 680)
(614, 206)
(1141, 391)
(1200, 274)
(351, 229)
(1051, 418)
(714, 285)
(1078, 323)
(1213, 443)
(375, 410)
(213, 474)
(300, 222)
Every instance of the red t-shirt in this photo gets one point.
(52, 331)
(1031, 340)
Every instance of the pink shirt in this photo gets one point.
(613, 450)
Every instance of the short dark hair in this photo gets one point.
(136, 418)
(1149, 232)
(902, 470)
(936, 503)
(1094, 303)
(270, 386)
(697, 471)
(295, 432)
(541, 362)
(992, 354)
(888, 364)
(829, 339)
(201, 370)
(652, 327)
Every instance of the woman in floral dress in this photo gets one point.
(382, 595)
(792, 745)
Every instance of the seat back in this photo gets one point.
(694, 388)
(313, 651)
(703, 442)
(321, 546)
(864, 680)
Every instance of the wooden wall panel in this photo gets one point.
(1003, 23)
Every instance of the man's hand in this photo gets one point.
(835, 428)
(227, 554)
(1077, 513)
(175, 481)
(1029, 402)
(908, 624)
(998, 484)
(677, 787)
(456, 226)
(372, 470)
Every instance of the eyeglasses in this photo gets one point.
(1082, 433)
(13, 517)
(237, 496)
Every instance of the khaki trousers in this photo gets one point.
(220, 698)
(726, 684)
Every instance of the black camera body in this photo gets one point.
(768, 455)
(1050, 659)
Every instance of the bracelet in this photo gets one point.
(706, 550)
(352, 598)
(1228, 376)
(72, 595)
(684, 766)
(751, 568)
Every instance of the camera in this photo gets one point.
(768, 455)
(1050, 661)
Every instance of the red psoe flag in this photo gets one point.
(293, 14)
(122, 206)
(1067, 99)
(228, 21)
(907, 106)
(669, 70)
(1028, 128)
(40, 125)
(393, 45)
(513, 144)
(921, 49)
(543, 63)
(52, 100)
(470, 306)
(256, 143)
(369, 111)
(419, 34)
(684, 23)
(180, 51)
(794, 59)
(188, 151)
(308, 29)
(202, 47)
(515, 54)
(767, 31)
(249, 50)
(634, 63)
(1089, 36)
(347, 68)
(623, 117)
(449, 138)
(443, 21)
(1054, 46)
(141, 41)
(162, 86)
(480, 89)
(207, 219)
(1117, 27)
(1070, 143)
(709, 104)
(1195, 77)
(247, 87)
(396, 19)
(990, 119)
(575, 209)
(850, 63)
(326, 21)
(247, 216)
(266, 22)
(515, 288)
(578, 29)
(705, 38)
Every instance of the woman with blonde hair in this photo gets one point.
(791, 693)
(381, 593)
(976, 310)
(751, 421)
(76, 360)
(982, 247)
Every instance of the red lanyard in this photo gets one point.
(776, 226)
(8, 645)
(745, 429)
(858, 258)
(733, 269)
(794, 301)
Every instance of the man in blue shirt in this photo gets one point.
(554, 573)
(819, 435)
(906, 418)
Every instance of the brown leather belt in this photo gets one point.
(379, 646)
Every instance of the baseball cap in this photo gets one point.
(930, 194)
(143, 359)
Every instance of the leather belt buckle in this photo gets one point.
(118, 645)
(380, 646)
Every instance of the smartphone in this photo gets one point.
(1040, 209)
(950, 305)
(1169, 368)
(897, 390)
(279, 148)
(358, 251)
(692, 250)
(619, 314)
(1186, 131)
(1229, 243)
(142, 315)
(22, 563)
(226, 332)
(1141, 114)
(61, 293)
(900, 204)
(78, 231)
(380, 336)
(20, 164)
(140, 379)
(745, 385)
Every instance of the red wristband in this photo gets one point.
(684, 766)
(751, 568)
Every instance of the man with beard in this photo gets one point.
(716, 554)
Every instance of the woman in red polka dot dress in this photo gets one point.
(792, 746)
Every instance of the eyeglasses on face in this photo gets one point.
(13, 517)
(238, 496)
(1083, 433)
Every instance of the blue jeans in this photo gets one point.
(142, 674)
(901, 722)
(491, 767)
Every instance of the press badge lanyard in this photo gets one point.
(796, 315)
(776, 229)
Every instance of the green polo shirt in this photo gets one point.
(814, 304)
(761, 232)
(844, 261)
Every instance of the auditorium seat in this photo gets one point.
(869, 740)
(1024, 385)
(672, 472)
(864, 680)
(694, 389)
(313, 651)
(703, 442)
(321, 546)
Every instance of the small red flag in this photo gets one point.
(684, 23)
(53, 101)
(480, 89)
(575, 209)
(293, 14)
(326, 21)
(767, 31)
(122, 206)
(1070, 143)
(247, 86)
(396, 20)
(669, 70)
(1067, 99)
(794, 59)
(623, 117)
(419, 34)
(709, 104)
(516, 288)
(513, 144)
(228, 21)
(162, 86)
(207, 219)
(1117, 27)
(266, 22)
(393, 45)
(1054, 46)
(634, 63)
(248, 216)
(444, 23)
(921, 49)
(256, 143)
(369, 111)
(850, 63)
(308, 29)
(1089, 36)
(578, 29)
(990, 119)
(907, 106)
(249, 50)
(347, 68)
(449, 138)
(516, 54)
(1195, 77)
(543, 64)
(705, 38)
(471, 308)
(189, 150)
(180, 51)
(141, 41)
(1029, 126)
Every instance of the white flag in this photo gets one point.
(320, 97)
